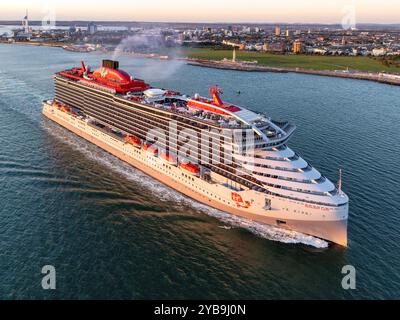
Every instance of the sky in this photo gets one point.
(235, 11)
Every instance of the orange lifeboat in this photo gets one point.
(133, 140)
(150, 149)
(169, 158)
(56, 105)
(65, 109)
(190, 168)
(137, 99)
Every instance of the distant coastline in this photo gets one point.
(237, 66)
(387, 78)
(81, 49)
(38, 44)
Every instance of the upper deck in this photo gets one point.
(209, 112)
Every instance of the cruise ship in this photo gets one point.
(220, 154)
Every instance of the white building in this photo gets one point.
(25, 23)
(379, 52)
(92, 28)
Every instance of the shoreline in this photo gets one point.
(37, 44)
(385, 78)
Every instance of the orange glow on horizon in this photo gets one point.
(306, 11)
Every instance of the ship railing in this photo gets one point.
(107, 131)
(204, 120)
(209, 121)
(230, 186)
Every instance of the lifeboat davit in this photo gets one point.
(150, 149)
(169, 158)
(133, 140)
(190, 168)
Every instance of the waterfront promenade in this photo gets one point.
(239, 66)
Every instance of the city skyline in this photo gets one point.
(223, 11)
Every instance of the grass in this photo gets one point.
(296, 61)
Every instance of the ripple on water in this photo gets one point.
(353, 125)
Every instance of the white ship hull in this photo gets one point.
(326, 222)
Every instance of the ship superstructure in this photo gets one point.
(224, 155)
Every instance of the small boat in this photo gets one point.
(190, 168)
(150, 149)
(133, 140)
(171, 159)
